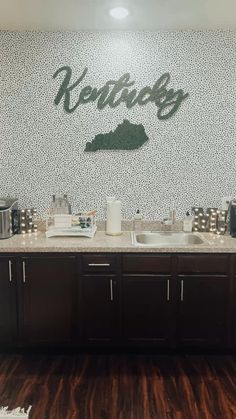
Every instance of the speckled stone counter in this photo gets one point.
(38, 243)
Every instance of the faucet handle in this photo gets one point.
(167, 222)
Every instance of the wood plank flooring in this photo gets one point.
(120, 386)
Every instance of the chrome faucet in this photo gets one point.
(171, 219)
(168, 222)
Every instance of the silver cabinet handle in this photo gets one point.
(111, 289)
(10, 270)
(99, 264)
(182, 290)
(168, 290)
(23, 271)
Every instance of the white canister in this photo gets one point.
(113, 220)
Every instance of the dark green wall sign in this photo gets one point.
(126, 136)
(115, 92)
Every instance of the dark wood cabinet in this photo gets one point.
(180, 300)
(196, 264)
(233, 302)
(8, 301)
(97, 264)
(233, 316)
(100, 309)
(147, 264)
(148, 310)
(203, 304)
(147, 300)
(203, 300)
(100, 299)
(49, 293)
(128, 300)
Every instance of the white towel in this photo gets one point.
(14, 414)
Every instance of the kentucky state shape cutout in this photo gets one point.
(126, 136)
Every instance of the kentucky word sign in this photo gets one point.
(115, 92)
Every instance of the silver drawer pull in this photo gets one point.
(182, 290)
(168, 290)
(10, 270)
(111, 289)
(99, 264)
(23, 271)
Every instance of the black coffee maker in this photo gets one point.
(232, 218)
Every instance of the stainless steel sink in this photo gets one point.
(164, 239)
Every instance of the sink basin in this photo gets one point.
(164, 239)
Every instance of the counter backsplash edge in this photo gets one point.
(127, 225)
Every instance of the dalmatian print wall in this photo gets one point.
(189, 158)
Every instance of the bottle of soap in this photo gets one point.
(188, 223)
(137, 222)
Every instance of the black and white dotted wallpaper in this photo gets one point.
(190, 159)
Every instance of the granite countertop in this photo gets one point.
(37, 242)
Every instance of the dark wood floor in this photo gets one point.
(120, 386)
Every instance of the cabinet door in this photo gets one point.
(99, 298)
(8, 306)
(233, 305)
(203, 305)
(49, 293)
(148, 309)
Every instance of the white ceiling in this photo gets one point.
(94, 14)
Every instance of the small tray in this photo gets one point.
(73, 231)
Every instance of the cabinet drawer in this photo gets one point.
(146, 264)
(99, 263)
(207, 264)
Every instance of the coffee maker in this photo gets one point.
(8, 217)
